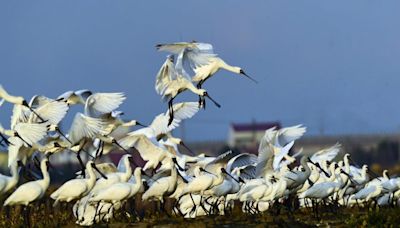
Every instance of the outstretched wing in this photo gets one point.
(185, 110)
(143, 145)
(160, 124)
(196, 54)
(182, 111)
(20, 114)
(174, 48)
(166, 74)
(289, 134)
(241, 160)
(13, 150)
(85, 127)
(280, 152)
(327, 154)
(200, 55)
(103, 103)
(53, 112)
(39, 100)
(219, 161)
(31, 132)
(266, 153)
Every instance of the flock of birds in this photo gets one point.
(199, 184)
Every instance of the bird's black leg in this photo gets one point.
(202, 100)
(101, 148)
(171, 111)
(194, 204)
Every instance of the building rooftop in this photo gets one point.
(255, 126)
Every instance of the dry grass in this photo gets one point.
(42, 214)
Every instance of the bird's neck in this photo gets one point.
(307, 170)
(14, 174)
(46, 178)
(228, 67)
(92, 176)
(347, 165)
(128, 172)
(174, 173)
(364, 173)
(192, 88)
(219, 180)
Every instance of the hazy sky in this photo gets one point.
(331, 65)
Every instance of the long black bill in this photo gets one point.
(216, 103)
(140, 124)
(319, 167)
(350, 177)
(101, 174)
(5, 140)
(119, 145)
(201, 169)
(244, 74)
(224, 171)
(32, 110)
(63, 135)
(177, 165)
(183, 178)
(23, 140)
(187, 148)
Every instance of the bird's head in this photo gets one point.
(19, 163)
(170, 58)
(203, 92)
(56, 144)
(93, 165)
(135, 122)
(22, 101)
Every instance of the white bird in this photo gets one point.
(203, 181)
(324, 189)
(31, 191)
(19, 102)
(9, 182)
(150, 153)
(86, 212)
(162, 187)
(159, 125)
(76, 188)
(112, 178)
(297, 178)
(327, 154)
(169, 83)
(202, 60)
(120, 192)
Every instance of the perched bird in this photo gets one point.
(6, 182)
(76, 188)
(31, 191)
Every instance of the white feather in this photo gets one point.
(85, 127)
(103, 103)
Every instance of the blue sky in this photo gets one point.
(331, 65)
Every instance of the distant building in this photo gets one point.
(248, 134)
